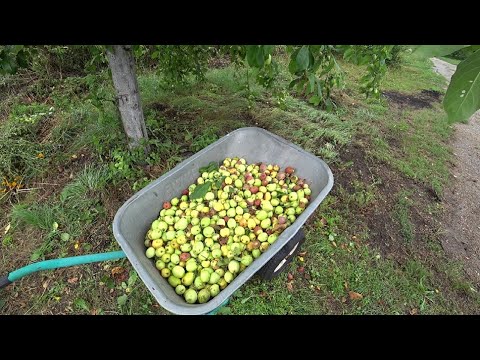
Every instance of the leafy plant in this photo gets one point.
(375, 57)
(203, 140)
(463, 94)
(316, 73)
(13, 57)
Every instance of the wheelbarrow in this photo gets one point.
(134, 218)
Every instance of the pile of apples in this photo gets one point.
(207, 236)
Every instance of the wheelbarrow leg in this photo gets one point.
(282, 259)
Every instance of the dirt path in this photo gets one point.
(461, 221)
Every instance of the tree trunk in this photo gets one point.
(122, 65)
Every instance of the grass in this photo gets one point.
(450, 60)
(402, 210)
(337, 266)
(344, 271)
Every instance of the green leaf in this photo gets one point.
(219, 182)
(315, 100)
(226, 310)
(212, 166)
(429, 51)
(36, 254)
(303, 58)
(201, 190)
(132, 278)
(108, 281)
(267, 49)
(293, 82)
(463, 94)
(260, 58)
(122, 300)
(81, 304)
(311, 78)
(65, 236)
(255, 55)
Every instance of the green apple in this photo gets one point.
(264, 246)
(150, 252)
(180, 289)
(190, 296)
(234, 266)
(198, 283)
(169, 249)
(231, 223)
(165, 272)
(256, 253)
(178, 271)
(191, 265)
(205, 222)
(209, 196)
(228, 277)
(247, 260)
(266, 205)
(262, 215)
(159, 264)
(262, 237)
(239, 231)
(166, 258)
(216, 253)
(214, 278)
(188, 278)
(208, 231)
(198, 247)
(222, 283)
(175, 259)
(272, 238)
(220, 272)
(203, 296)
(205, 275)
(155, 234)
(187, 247)
(265, 223)
(181, 224)
(231, 212)
(203, 255)
(214, 290)
(159, 251)
(162, 225)
(174, 281)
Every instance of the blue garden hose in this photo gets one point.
(58, 263)
(67, 262)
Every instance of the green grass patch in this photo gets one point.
(402, 215)
(450, 60)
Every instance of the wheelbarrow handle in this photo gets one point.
(59, 263)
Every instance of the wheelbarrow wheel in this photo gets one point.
(282, 259)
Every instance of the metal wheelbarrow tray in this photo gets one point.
(134, 218)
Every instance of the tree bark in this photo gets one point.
(122, 65)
